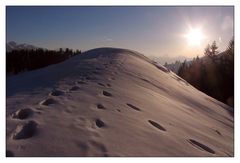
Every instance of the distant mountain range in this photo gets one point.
(163, 59)
(12, 45)
(173, 63)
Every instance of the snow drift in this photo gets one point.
(113, 102)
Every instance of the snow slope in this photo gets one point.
(113, 102)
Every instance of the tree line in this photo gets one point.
(213, 74)
(26, 60)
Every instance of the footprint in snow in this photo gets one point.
(57, 93)
(157, 125)
(25, 130)
(100, 106)
(105, 93)
(201, 146)
(218, 132)
(99, 123)
(111, 78)
(101, 84)
(49, 101)
(75, 88)
(133, 107)
(80, 82)
(22, 113)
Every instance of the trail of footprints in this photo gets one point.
(28, 129)
(195, 143)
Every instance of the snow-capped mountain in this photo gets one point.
(171, 63)
(15, 46)
(165, 59)
(174, 67)
(113, 102)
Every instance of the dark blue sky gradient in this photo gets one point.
(151, 30)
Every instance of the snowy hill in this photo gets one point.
(14, 46)
(113, 102)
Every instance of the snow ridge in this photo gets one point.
(113, 102)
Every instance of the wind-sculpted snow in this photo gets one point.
(113, 102)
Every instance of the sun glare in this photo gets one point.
(195, 37)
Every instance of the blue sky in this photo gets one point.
(155, 30)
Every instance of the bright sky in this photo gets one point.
(158, 31)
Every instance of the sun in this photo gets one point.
(194, 37)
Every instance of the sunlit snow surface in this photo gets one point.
(113, 102)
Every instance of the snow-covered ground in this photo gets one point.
(113, 102)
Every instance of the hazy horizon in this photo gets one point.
(154, 31)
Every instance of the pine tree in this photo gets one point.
(230, 48)
(207, 51)
(214, 48)
(165, 64)
(211, 51)
(182, 69)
